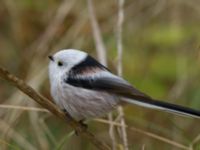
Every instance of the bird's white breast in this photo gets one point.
(82, 103)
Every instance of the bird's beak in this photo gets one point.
(51, 58)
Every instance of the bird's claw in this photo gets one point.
(84, 125)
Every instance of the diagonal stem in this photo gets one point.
(44, 102)
(120, 51)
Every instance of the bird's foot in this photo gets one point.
(81, 122)
(84, 125)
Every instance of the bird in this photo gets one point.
(85, 89)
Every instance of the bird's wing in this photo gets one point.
(90, 74)
(105, 81)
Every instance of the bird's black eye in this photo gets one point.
(60, 63)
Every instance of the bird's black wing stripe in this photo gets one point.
(87, 84)
(87, 63)
(113, 85)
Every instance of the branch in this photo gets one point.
(44, 102)
(100, 47)
(43, 42)
(120, 21)
(152, 135)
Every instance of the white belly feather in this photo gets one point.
(83, 103)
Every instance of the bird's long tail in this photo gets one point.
(160, 105)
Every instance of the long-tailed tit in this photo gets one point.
(84, 88)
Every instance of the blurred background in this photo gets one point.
(161, 56)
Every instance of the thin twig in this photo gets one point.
(16, 136)
(196, 139)
(152, 135)
(102, 57)
(21, 85)
(119, 35)
(17, 98)
(143, 147)
(47, 130)
(73, 33)
(120, 51)
(37, 130)
(100, 47)
(112, 131)
(23, 108)
(3, 142)
(42, 43)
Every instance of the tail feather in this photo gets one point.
(160, 105)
